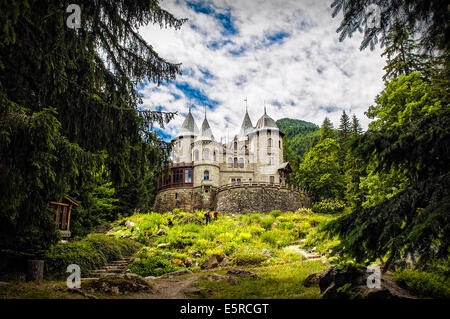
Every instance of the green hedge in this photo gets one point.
(90, 253)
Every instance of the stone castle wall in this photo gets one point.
(232, 199)
(243, 199)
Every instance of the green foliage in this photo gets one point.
(93, 252)
(248, 256)
(152, 266)
(327, 130)
(68, 107)
(320, 172)
(424, 284)
(328, 206)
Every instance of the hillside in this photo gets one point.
(297, 141)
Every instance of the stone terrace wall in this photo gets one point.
(256, 198)
(186, 199)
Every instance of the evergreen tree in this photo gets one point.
(344, 131)
(427, 20)
(67, 98)
(326, 130)
(402, 54)
(356, 128)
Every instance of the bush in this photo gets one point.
(90, 253)
(266, 222)
(269, 237)
(152, 266)
(275, 213)
(328, 206)
(424, 284)
(248, 256)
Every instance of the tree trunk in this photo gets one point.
(35, 270)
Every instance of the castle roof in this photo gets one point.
(246, 126)
(266, 121)
(205, 133)
(189, 127)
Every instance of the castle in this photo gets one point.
(246, 174)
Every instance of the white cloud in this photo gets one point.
(308, 71)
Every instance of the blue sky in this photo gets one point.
(281, 53)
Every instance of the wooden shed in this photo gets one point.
(63, 211)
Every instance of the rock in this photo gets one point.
(213, 261)
(150, 278)
(266, 253)
(350, 282)
(299, 242)
(224, 262)
(188, 262)
(163, 245)
(129, 224)
(177, 262)
(239, 224)
(241, 273)
(118, 284)
(161, 232)
(179, 272)
(217, 277)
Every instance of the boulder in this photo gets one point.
(241, 273)
(213, 261)
(118, 284)
(224, 262)
(217, 277)
(239, 224)
(130, 224)
(188, 262)
(161, 232)
(350, 282)
(266, 253)
(163, 245)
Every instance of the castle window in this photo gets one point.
(176, 195)
(196, 155)
(215, 156)
(235, 162)
(241, 162)
(233, 181)
(269, 132)
(269, 142)
(238, 181)
(279, 144)
(270, 159)
(230, 162)
(188, 176)
(206, 154)
(272, 179)
(235, 145)
(206, 175)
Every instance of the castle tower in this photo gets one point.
(206, 157)
(182, 143)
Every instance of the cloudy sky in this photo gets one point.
(284, 53)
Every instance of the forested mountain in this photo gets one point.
(297, 141)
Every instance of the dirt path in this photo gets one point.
(180, 287)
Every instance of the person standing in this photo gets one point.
(207, 217)
(215, 215)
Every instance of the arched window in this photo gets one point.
(230, 162)
(206, 175)
(241, 162)
(235, 145)
(206, 154)
(215, 156)
(235, 162)
(196, 155)
(269, 142)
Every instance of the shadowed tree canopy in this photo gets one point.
(428, 20)
(69, 111)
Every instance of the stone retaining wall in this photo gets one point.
(235, 199)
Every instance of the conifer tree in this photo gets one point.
(326, 130)
(344, 127)
(356, 128)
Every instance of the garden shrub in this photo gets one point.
(328, 206)
(266, 222)
(275, 213)
(248, 256)
(152, 266)
(90, 253)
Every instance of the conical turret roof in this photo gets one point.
(266, 122)
(188, 127)
(205, 132)
(246, 126)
